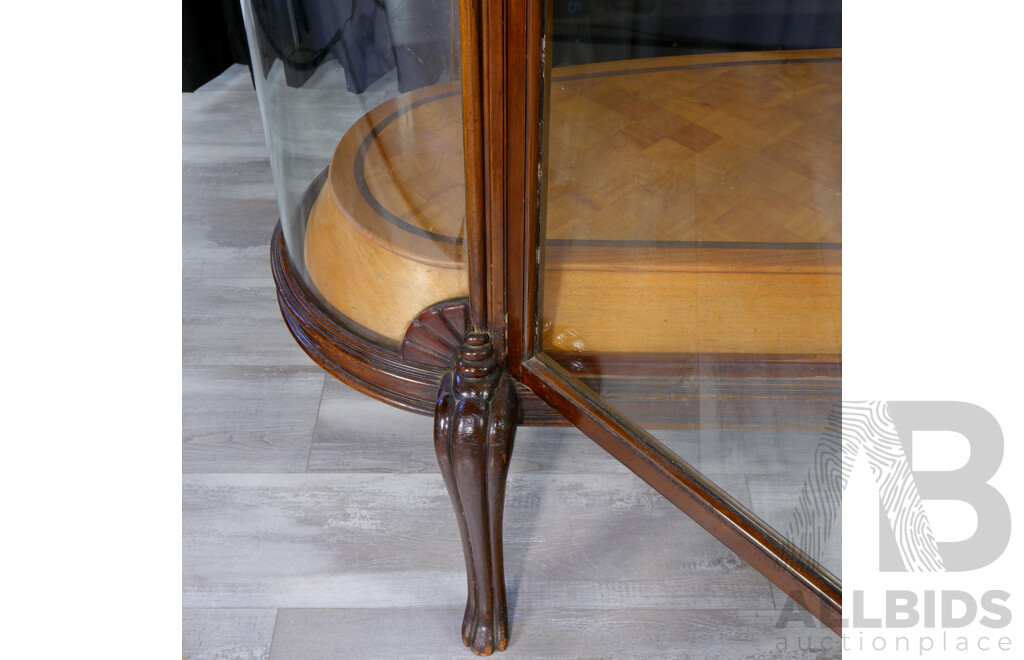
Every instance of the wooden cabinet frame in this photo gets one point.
(503, 77)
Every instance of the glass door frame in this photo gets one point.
(505, 67)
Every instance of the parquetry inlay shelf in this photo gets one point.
(727, 166)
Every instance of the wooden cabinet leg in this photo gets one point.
(474, 429)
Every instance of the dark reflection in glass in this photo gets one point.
(589, 31)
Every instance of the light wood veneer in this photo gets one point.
(693, 206)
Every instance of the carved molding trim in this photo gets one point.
(434, 337)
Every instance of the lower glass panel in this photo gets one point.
(691, 237)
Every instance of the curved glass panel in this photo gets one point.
(362, 110)
(691, 236)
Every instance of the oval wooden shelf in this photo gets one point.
(714, 175)
(801, 388)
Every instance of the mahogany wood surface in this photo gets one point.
(474, 431)
(474, 87)
(435, 336)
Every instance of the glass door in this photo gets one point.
(686, 312)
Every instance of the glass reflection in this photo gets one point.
(692, 232)
(362, 110)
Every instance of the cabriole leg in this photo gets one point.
(474, 429)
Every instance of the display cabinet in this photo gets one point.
(624, 216)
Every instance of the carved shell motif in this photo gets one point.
(434, 338)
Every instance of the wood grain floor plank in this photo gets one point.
(761, 451)
(355, 433)
(227, 220)
(236, 322)
(327, 634)
(236, 78)
(229, 205)
(248, 419)
(776, 499)
(375, 540)
(252, 301)
(227, 634)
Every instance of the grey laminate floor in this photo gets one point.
(315, 524)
